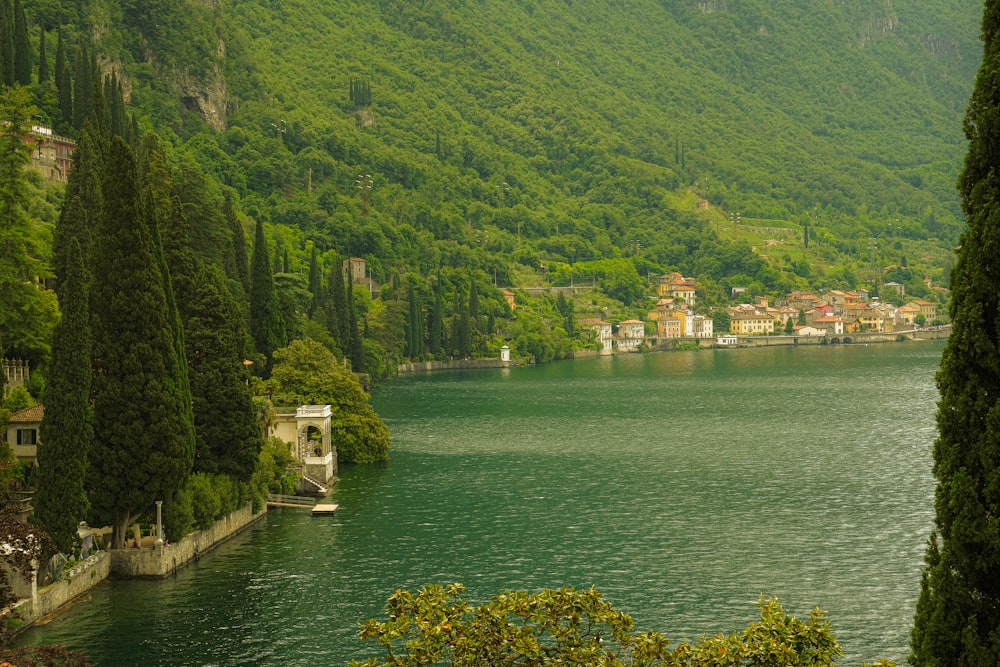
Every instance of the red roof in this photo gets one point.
(28, 415)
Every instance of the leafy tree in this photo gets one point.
(27, 312)
(60, 501)
(572, 627)
(309, 371)
(142, 405)
(958, 611)
(789, 326)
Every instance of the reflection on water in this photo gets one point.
(681, 485)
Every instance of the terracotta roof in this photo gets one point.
(32, 414)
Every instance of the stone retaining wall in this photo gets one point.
(454, 364)
(81, 579)
(162, 561)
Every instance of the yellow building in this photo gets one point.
(751, 324)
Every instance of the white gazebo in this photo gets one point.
(308, 431)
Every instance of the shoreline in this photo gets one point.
(690, 344)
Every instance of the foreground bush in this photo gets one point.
(569, 627)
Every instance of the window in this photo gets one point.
(27, 436)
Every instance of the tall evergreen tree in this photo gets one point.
(60, 500)
(43, 57)
(64, 87)
(142, 406)
(267, 328)
(228, 439)
(435, 323)
(337, 318)
(241, 265)
(415, 324)
(114, 101)
(7, 42)
(315, 283)
(355, 348)
(958, 611)
(23, 56)
(83, 200)
(83, 87)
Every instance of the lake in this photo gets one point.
(682, 485)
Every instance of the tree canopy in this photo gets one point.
(577, 627)
(309, 373)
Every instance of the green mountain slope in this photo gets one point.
(548, 141)
(852, 106)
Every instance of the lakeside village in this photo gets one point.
(831, 317)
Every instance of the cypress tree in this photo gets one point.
(228, 439)
(241, 264)
(7, 42)
(415, 322)
(276, 261)
(337, 318)
(114, 101)
(267, 327)
(83, 87)
(958, 611)
(435, 323)
(22, 46)
(64, 87)
(142, 404)
(355, 348)
(43, 57)
(60, 501)
(474, 303)
(83, 200)
(315, 283)
(464, 338)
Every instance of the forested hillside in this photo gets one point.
(461, 147)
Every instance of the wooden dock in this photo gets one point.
(275, 500)
(325, 509)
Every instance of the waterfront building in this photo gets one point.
(751, 324)
(307, 430)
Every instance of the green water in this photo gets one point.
(682, 485)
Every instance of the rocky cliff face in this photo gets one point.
(207, 96)
(182, 42)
